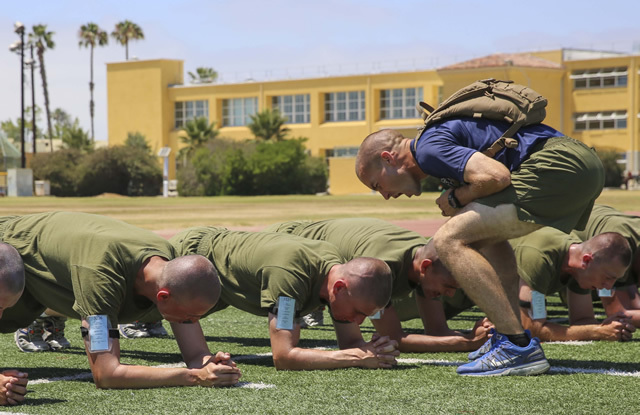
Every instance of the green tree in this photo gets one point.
(60, 168)
(612, 169)
(43, 40)
(75, 137)
(12, 130)
(203, 76)
(126, 31)
(268, 125)
(198, 132)
(137, 140)
(61, 120)
(91, 36)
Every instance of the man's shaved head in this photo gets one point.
(11, 270)
(191, 277)
(368, 158)
(369, 278)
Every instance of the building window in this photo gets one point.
(599, 78)
(237, 111)
(295, 108)
(345, 151)
(187, 110)
(344, 106)
(603, 120)
(399, 103)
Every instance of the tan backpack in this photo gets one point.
(492, 99)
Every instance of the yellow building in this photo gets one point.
(593, 96)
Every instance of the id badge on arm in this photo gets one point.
(538, 306)
(286, 313)
(99, 340)
(604, 292)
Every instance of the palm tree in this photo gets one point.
(126, 31)
(198, 132)
(43, 40)
(91, 36)
(203, 76)
(268, 125)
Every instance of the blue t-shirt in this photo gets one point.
(443, 149)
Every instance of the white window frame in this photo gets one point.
(295, 108)
(344, 106)
(187, 110)
(400, 103)
(600, 78)
(603, 120)
(236, 112)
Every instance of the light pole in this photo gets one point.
(19, 29)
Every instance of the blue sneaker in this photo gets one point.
(495, 338)
(505, 358)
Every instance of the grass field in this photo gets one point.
(590, 377)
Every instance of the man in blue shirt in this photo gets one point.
(547, 180)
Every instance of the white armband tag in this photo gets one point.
(538, 306)
(286, 312)
(377, 315)
(99, 340)
(603, 292)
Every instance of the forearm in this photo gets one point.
(308, 359)
(140, 377)
(557, 332)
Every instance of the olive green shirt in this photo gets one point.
(256, 268)
(607, 219)
(80, 264)
(365, 237)
(540, 256)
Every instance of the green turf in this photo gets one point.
(411, 388)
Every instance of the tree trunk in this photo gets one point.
(91, 103)
(126, 48)
(43, 75)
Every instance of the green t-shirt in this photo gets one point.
(256, 268)
(540, 255)
(607, 219)
(365, 237)
(80, 264)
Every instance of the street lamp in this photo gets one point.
(19, 29)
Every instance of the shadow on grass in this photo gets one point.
(39, 402)
(48, 372)
(595, 365)
(134, 354)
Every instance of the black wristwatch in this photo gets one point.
(453, 200)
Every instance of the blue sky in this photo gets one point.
(279, 39)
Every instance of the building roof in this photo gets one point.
(504, 59)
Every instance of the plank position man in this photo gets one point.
(547, 180)
(104, 271)
(285, 277)
(549, 261)
(414, 265)
(13, 383)
(624, 298)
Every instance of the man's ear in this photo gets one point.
(338, 286)
(388, 157)
(424, 265)
(163, 294)
(586, 259)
